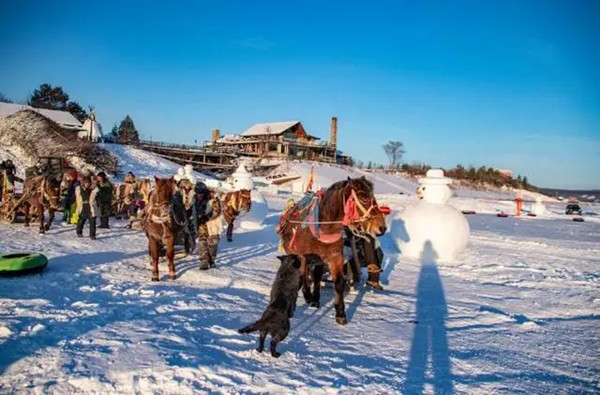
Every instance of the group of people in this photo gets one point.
(87, 197)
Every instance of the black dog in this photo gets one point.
(276, 318)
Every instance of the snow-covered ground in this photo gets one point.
(517, 312)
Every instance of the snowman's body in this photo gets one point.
(242, 179)
(538, 208)
(431, 220)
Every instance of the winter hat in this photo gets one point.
(200, 188)
(102, 174)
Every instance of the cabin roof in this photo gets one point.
(271, 128)
(64, 119)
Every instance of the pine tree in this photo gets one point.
(77, 111)
(525, 184)
(55, 98)
(370, 165)
(126, 132)
(48, 97)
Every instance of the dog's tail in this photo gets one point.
(250, 328)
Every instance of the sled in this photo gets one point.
(578, 219)
(14, 264)
(502, 215)
(468, 212)
(531, 215)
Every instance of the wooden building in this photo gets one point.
(279, 140)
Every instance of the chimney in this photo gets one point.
(333, 137)
(216, 135)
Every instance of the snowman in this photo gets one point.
(189, 173)
(538, 208)
(431, 221)
(242, 179)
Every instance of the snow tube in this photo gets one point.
(17, 263)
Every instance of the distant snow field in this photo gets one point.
(517, 312)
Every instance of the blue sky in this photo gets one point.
(509, 84)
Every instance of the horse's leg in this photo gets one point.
(336, 266)
(230, 230)
(317, 273)
(50, 218)
(305, 279)
(170, 245)
(153, 248)
(40, 210)
(26, 208)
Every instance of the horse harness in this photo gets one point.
(355, 213)
(234, 205)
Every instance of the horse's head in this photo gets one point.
(51, 191)
(370, 218)
(245, 203)
(144, 188)
(163, 190)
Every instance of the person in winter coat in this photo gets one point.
(367, 252)
(210, 225)
(86, 194)
(68, 195)
(105, 194)
(7, 178)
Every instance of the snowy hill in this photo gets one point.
(142, 163)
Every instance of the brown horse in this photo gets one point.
(234, 204)
(161, 225)
(40, 193)
(125, 195)
(348, 203)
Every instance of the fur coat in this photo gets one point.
(79, 198)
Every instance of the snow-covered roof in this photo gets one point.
(64, 119)
(272, 128)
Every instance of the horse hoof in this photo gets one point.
(341, 320)
(154, 278)
(42, 231)
(315, 304)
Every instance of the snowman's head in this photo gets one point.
(434, 187)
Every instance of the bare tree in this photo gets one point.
(394, 150)
(4, 98)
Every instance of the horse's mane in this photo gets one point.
(331, 206)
